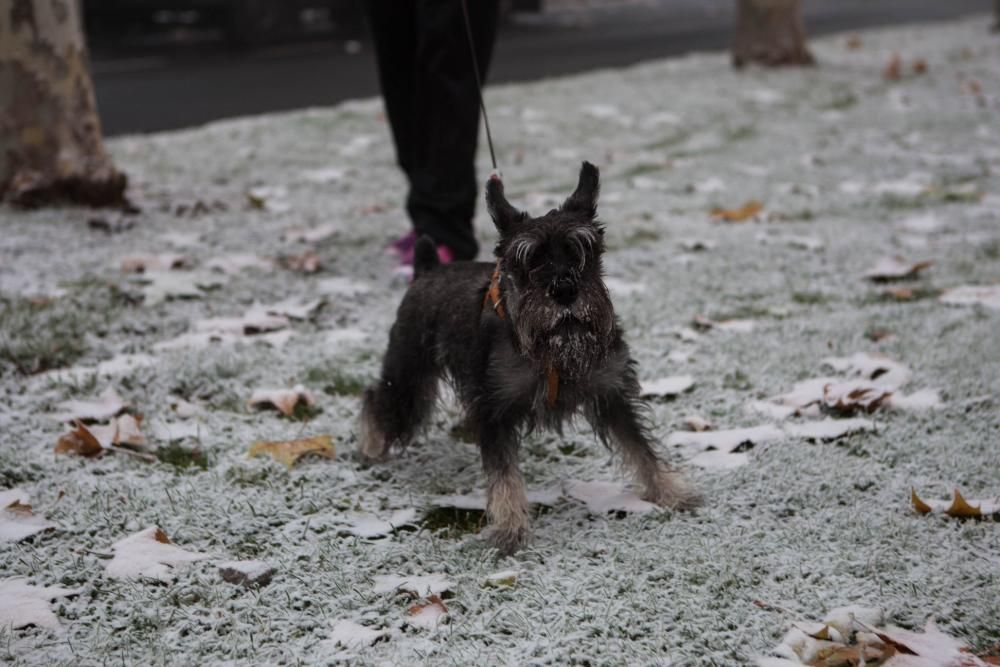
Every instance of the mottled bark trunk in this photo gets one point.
(771, 33)
(50, 136)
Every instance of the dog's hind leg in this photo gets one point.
(506, 500)
(398, 404)
(619, 422)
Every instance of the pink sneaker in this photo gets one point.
(403, 246)
(405, 267)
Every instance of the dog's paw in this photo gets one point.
(508, 540)
(671, 490)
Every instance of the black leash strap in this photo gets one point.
(479, 83)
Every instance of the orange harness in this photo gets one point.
(492, 298)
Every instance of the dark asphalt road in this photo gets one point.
(161, 89)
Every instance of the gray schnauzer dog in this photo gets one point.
(528, 342)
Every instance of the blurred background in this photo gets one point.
(166, 64)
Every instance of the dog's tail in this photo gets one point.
(425, 256)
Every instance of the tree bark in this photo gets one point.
(50, 135)
(771, 33)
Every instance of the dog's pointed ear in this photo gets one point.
(584, 198)
(504, 215)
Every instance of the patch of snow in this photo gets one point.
(145, 555)
(668, 386)
(604, 497)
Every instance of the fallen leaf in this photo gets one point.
(17, 519)
(159, 286)
(370, 526)
(895, 268)
(23, 604)
(848, 398)
(307, 262)
(919, 66)
(502, 579)
(666, 387)
(148, 554)
(161, 262)
(899, 293)
(853, 43)
(959, 507)
(246, 573)
(350, 635)
(79, 441)
(893, 70)
(604, 497)
(107, 405)
(290, 451)
(748, 210)
(930, 648)
(284, 400)
(427, 614)
(970, 295)
(420, 586)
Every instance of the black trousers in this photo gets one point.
(429, 86)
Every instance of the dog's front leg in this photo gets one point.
(618, 421)
(506, 501)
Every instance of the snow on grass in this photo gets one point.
(810, 526)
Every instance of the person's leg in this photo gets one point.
(394, 32)
(443, 185)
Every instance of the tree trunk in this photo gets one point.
(771, 33)
(50, 136)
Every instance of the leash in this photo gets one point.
(479, 83)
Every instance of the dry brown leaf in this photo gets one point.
(290, 451)
(431, 601)
(161, 537)
(895, 268)
(284, 400)
(959, 508)
(748, 210)
(307, 262)
(899, 293)
(893, 70)
(428, 614)
(853, 43)
(79, 441)
(919, 66)
(848, 398)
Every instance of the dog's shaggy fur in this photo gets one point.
(528, 342)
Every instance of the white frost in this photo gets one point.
(142, 556)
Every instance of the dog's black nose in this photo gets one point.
(563, 291)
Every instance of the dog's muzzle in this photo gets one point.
(563, 290)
